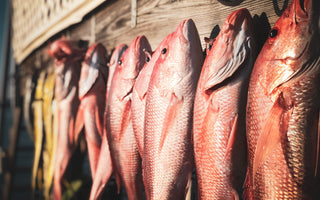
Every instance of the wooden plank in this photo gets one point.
(156, 19)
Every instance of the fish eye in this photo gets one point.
(147, 59)
(120, 62)
(164, 50)
(273, 33)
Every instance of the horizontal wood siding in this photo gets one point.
(110, 23)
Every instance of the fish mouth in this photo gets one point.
(236, 19)
(301, 10)
(96, 56)
(188, 29)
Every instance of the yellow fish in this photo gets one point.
(38, 132)
(48, 145)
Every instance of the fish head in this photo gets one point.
(96, 56)
(232, 49)
(94, 64)
(180, 52)
(116, 55)
(133, 59)
(286, 47)
(63, 50)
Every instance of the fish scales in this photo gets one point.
(167, 154)
(67, 74)
(283, 111)
(123, 147)
(219, 113)
(104, 167)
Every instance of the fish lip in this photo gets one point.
(188, 29)
(243, 12)
(304, 5)
(301, 9)
(93, 56)
(137, 42)
(238, 18)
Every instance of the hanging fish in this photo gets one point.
(139, 98)
(30, 86)
(92, 90)
(48, 144)
(67, 72)
(104, 168)
(123, 147)
(283, 111)
(167, 152)
(219, 110)
(37, 104)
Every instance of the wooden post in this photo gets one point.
(14, 135)
(133, 13)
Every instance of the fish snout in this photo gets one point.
(189, 30)
(96, 56)
(239, 18)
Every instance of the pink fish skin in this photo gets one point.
(283, 111)
(168, 153)
(139, 99)
(104, 168)
(123, 147)
(219, 110)
(92, 89)
(68, 65)
(115, 57)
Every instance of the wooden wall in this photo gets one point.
(110, 23)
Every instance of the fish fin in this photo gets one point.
(89, 76)
(126, 118)
(317, 149)
(270, 136)
(118, 181)
(141, 88)
(228, 64)
(232, 137)
(72, 132)
(235, 195)
(79, 123)
(247, 186)
(171, 113)
(209, 42)
(99, 120)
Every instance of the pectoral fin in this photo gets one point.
(232, 137)
(270, 137)
(79, 123)
(171, 116)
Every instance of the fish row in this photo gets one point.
(243, 120)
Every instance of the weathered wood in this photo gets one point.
(156, 19)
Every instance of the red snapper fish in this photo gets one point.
(104, 168)
(219, 110)
(123, 147)
(67, 72)
(168, 153)
(139, 98)
(92, 89)
(283, 111)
